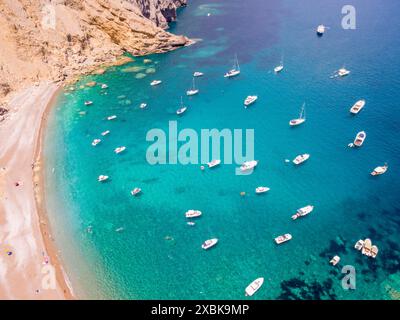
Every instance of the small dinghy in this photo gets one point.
(301, 158)
(253, 287)
(335, 260)
(193, 213)
(143, 105)
(250, 100)
(88, 103)
(104, 133)
(136, 191)
(119, 149)
(213, 163)
(95, 142)
(155, 83)
(359, 140)
(102, 178)
(112, 117)
(198, 74)
(260, 190)
(283, 238)
(209, 243)
(356, 108)
(379, 170)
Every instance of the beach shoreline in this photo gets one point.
(27, 245)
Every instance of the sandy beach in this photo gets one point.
(27, 251)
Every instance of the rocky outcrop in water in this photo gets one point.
(58, 39)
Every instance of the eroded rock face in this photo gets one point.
(58, 39)
(161, 12)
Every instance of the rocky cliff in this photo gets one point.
(57, 39)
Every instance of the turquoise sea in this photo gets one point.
(157, 255)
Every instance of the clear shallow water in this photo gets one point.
(139, 262)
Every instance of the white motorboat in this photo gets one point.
(88, 103)
(235, 69)
(112, 117)
(213, 163)
(198, 74)
(102, 178)
(359, 140)
(119, 149)
(283, 238)
(356, 108)
(209, 243)
(335, 260)
(253, 287)
(250, 100)
(343, 72)
(155, 83)
(374, 251)
(182, 109)
(136, 191)
(143, 105)
(301, 158)
(104, 133)
(104, 86)
(248, 165)
(193, 213)
(95, 142)
(262, 190)
(192, 91)
(321, 30)
(301, 118)
(380, 170)
(366, 250)
(359, 245)
(278, 68)
(302, 212)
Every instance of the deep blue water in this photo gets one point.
(140, 263)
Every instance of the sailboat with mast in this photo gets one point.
(235, 69)
(192, 91)
(301, 118)
(182, 109)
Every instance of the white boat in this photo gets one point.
(104, 86)
(366, 250)
(301, 158)
(359, 245)
(321, 30)
(193, 213)
(380, 170)
(250, 100)
(213, 163)
(356, 108)
(343, 72)
(88, 103)
(143, 105)
(192, 91)
(136, 191)
(182, 109)
(102, 178)
(302, 212)
(359, 140)
(278, 69)
(235, 69)
(104, 133)
(262, 189)
(209, 243)
(112, 117)
(248, 165)
(283, 238)
(155, 83)
(253, 287)
(301, 118)
(198, 74)
(119, 149)
(95, 142)
(335, 260)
